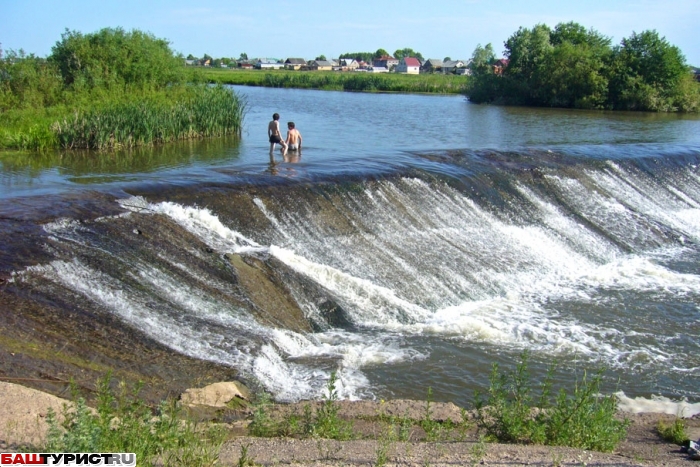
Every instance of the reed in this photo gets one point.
(200, 111)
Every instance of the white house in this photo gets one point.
(408, 65)
(267, 64)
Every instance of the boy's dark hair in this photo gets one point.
(275, 116)
(290, 124)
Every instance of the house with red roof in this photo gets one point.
(408, 65)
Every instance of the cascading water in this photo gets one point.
(419, 278)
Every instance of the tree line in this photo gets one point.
(369, 56)
(573, 67)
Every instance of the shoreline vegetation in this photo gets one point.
(225, 423)
(109, 90)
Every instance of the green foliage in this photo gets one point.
(124, 423)
(324, 423)
(328, 423)
(647, 74)
(114, 57)
(482, 59)
(513, 413)
(359, 56)
(407, 52)
(675, 432)
(572, 67)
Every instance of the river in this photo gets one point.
(420, 238)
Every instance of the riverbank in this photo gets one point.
(23, 414)
(434, 83)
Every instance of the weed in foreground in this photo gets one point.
(511, 412)
(323, 423)
(124, 423)
(674, 433)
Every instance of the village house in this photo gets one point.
(385, 61)
(450, 66)
(268, 64)
(432, 65)
(408, 65)
(320, 65)
(499, 66)
(349, 64)
(294, 63)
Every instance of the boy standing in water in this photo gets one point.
(273, 132)
(293, 138)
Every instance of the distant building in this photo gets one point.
(499, 66)
(349, 64)
(451, 66)
(385, 61)
(378, 69)
(294, 63)
(408, 65)
(320, 65)
(268, 64)
(432, 65)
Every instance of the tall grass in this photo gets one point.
(203, 111)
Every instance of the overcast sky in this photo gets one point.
(309, 28)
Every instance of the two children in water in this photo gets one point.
(293, 141)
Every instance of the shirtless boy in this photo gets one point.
(293, 137)
(273, 132)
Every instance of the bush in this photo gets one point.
(124, 423)
(513, 413)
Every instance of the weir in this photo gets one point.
(438, 269)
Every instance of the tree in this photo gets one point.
(243, 56)
(321, 57)
(403, 53)
(114, 57)
(482, 59)
(646, 72)
(191, 57)
(446, 59)
(380, 53)
(359, 56)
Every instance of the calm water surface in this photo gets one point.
(342, 132)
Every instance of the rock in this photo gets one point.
(216, 395)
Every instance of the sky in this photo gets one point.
(310, 28)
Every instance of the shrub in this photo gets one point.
(513, 413)
(124, 423)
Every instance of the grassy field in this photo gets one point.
(338, 81)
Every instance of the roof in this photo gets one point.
(295, 61)
(411, 61)
(434, 62)
(385, 57)
(322, 63)
(453, 63)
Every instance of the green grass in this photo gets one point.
(338, 81)
(124, 423)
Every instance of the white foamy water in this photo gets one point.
(415, 261)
